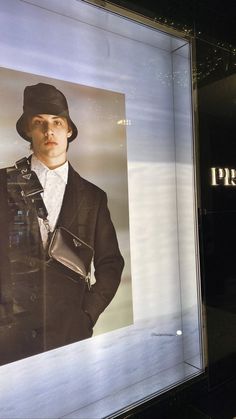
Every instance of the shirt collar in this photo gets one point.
(41, 169)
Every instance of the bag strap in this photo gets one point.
(31, 189)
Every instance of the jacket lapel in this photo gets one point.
(72, 201)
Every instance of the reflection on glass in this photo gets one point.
(146, 74)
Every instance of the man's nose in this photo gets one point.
(48, 128)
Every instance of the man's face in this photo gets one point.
(49, 134)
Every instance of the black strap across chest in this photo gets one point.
(31, 187)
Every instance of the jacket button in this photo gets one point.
(34, 334)
(33, 297)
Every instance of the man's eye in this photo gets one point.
(37, 122)
(58, 123)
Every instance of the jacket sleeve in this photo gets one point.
(108, 263)
(5, 279)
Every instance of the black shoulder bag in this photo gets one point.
(64, 248)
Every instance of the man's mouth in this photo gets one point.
(50, 143)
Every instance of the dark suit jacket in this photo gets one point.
(42, 307)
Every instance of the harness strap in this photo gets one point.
(31, 188)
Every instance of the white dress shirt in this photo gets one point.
(54, 183)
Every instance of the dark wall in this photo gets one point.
(217, 146)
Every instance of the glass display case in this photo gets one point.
(128, 83)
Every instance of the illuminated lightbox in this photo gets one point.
(129, 88)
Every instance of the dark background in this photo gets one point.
(214, 19)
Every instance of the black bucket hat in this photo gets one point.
(44, 98)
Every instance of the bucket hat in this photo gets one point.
(44, 98)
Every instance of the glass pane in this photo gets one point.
(130, 89)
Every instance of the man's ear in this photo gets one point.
(69, 134)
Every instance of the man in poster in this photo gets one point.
(42, 305)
